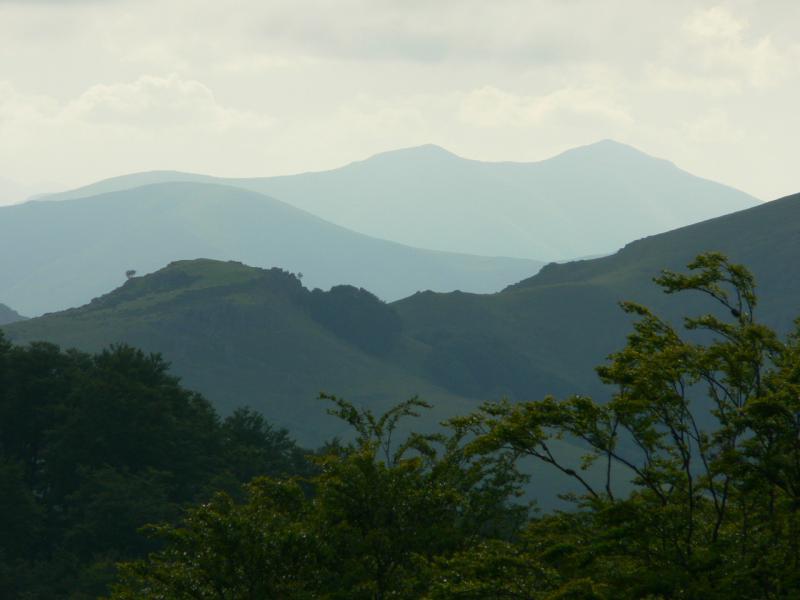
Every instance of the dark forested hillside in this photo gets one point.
(93, 447)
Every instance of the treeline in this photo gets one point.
(689, 479)
(94, 447)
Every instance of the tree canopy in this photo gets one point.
(689, 482)
(689, 485)
(93, 447)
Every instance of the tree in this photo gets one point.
(130, 274)
(376, 518)
(93, 447)
(698, 448)
(690, 480)
(262, 548)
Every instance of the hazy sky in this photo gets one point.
(90, 89)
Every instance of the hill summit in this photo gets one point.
(256, 337)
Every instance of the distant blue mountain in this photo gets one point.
(587, 201)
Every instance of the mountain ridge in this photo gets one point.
(243, 335)
(85, 246)
(250, 336)
(566, 318)
(584, 201)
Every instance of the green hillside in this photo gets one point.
(586, 201)
(238, 338)
(566, 320)
(84, 247)
(243, 335)
(247, 336)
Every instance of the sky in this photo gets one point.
(96, 88)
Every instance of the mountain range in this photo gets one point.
(586, 201)
(252, 336)
(56, 255)
(248, 336)
(565, 320)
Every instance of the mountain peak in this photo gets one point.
(425, 152)
(610, 151)
(203, 273)
(190, 276)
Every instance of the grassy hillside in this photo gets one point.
(566, 320)
(543, 335)
(247, 336)
(251, 337)
(80, 249)
(587, 201)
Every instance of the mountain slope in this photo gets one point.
(247, 336)
(586, 201)
(7, 315)
(544, 334)
(566, 320)
(79, 249)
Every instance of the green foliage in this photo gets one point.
(252, 446)
(228, 328)
(262, 548)
(689, 479)
(375, 519)
(93, 447)
(705, 429)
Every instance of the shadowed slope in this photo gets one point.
(566, 319)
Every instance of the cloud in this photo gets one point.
(151, 122)
(491, 107)
(719, 42)
(17, 106)
(148, 103)
(715, 23)
(255, 63)
(95, 88)
(54, 2)
(159, 103)
(668, 78)
(714, 127)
